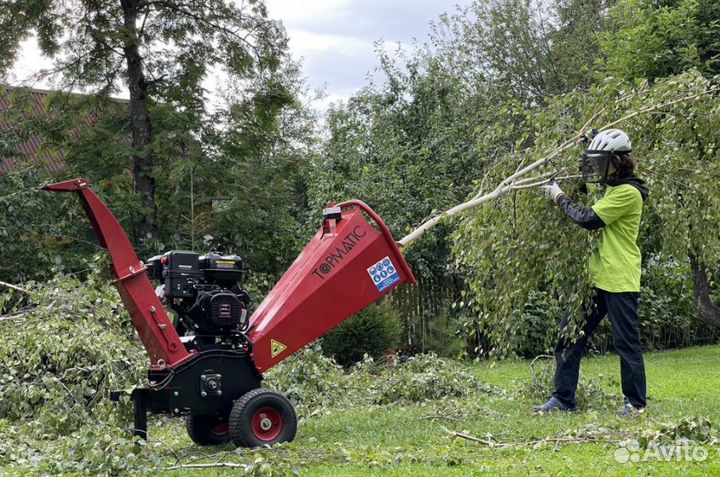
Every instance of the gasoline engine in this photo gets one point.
(206, 294)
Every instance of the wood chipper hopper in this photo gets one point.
(206, 361)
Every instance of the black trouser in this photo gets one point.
(622, 309)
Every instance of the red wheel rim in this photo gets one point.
(219, 428)
(267, 424)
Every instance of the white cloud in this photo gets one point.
(310, 11)
(304, 42)
(336, 38)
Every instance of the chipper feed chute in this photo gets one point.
(347, 265)
(147, 313)
(206, 363)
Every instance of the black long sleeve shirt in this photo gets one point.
(585, 217)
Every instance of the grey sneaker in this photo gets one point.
(628, 411)
(553, 404)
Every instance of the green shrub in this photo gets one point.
(373, 331)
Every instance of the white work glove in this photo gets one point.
(552, 190)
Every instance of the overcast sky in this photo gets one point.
(334, 38)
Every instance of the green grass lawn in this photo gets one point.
(400, 440)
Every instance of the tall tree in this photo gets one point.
(653, 39)
(160, 51)
(527, 49)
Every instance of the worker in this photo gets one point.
(614, 270)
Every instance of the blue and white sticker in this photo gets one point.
(383, 274)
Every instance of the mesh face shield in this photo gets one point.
(594, 166)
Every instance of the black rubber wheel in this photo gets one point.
(208, 430)
(262, 417)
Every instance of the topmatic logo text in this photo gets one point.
(334, 258)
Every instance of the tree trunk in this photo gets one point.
(143, 159)
(708, 310)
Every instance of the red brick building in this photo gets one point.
(30, 150)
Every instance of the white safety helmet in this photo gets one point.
(610, 141)
(595, 162)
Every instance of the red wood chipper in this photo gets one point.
(207, 362)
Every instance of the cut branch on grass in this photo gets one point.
(167, 446)
(507, 184)
(566, 437)
(470, 437)
(22, 313)
(11, 317)
(15, 287)
(232, 465)
(450, 417)
(535, 360)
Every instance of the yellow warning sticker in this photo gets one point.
(276, 348)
